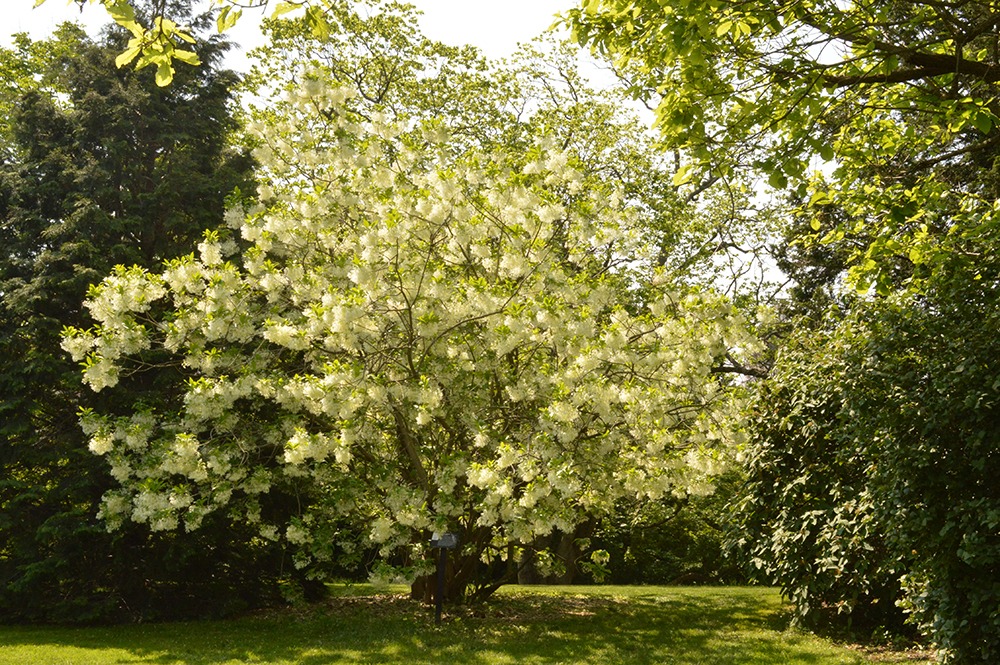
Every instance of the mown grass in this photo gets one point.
(641, 625)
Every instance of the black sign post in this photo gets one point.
(444, 542)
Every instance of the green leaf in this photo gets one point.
(683, 175)
(228, 18)
(777, 180)
(129, 54)
(983, 122)
(820, 198)
(283, 8)
(723, 28)
(187, 57)
(164, 73)
(184, 36)
(120, 11)
(123, 14)
(145, 60)
(317, 23)
(833, 235)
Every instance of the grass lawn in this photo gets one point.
(642, 625)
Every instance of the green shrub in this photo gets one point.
(872, 476)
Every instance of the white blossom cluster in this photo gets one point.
(420, 338)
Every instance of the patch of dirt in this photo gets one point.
(891, 654)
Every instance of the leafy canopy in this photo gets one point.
(884, 110)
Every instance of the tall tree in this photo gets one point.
(100, 167)
(448, 317)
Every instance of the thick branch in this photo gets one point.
(414, 471)
(922, 66)
(734, 367)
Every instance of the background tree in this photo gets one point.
(674, 541)
(868, 473)
(100, 167)
(807, 518)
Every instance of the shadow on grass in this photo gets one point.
(568, 625)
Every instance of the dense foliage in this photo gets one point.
(99, 167)
(675, 540)
(896, 98)
(871, 479)
(473, 298)
(808, 519)
(161, 37)
(877, 124)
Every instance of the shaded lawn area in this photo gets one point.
(641, 625)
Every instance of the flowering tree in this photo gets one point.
(410, 334)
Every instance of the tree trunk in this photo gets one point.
(564, 547)
(425, 590)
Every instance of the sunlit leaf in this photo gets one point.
(164, 74)
(187, 57)
(128, 55)
(283, 8)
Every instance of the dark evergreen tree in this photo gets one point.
(101, 167)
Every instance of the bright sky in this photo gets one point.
(495, 27)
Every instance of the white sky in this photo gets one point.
(495, 27)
